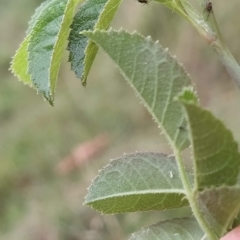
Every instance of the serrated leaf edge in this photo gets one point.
(100, 171)
(148, 39)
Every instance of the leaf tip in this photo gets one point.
(188, 95)
(84, 82)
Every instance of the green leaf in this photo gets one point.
(19, 64)
(219, 207)
(174, 229)
(38, 13)
(93, 14)
(137, 182)
(215, 153)
(153, 73)
(188, 95)
(47, 43)
(85, 19)
(103, 23)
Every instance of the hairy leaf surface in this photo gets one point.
(103, 23)
(85, 19)
(93, 14)
(137, 182)
(154, 74)
(215, 153)
(219, 207)
(19, 64)
(174, 229)
(38, 13)
(47, 43)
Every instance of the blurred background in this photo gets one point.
(49, 155)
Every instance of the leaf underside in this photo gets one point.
(154, 74)
(174, 229)
(219, 206)
(215, 153)
(103, 23)
(38, 13)
(47, 43)
(84, 19)
(38, 58)
(19, 64)
(137, 182)
(92, 14)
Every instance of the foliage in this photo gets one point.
(146, 181)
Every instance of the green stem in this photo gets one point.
(228, 61)
(207, 26)
(220, 47)
(224, 54)
(191, 198)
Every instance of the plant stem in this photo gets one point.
(228, 61)
(220, 47)
(191, 198)
(207, 26)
